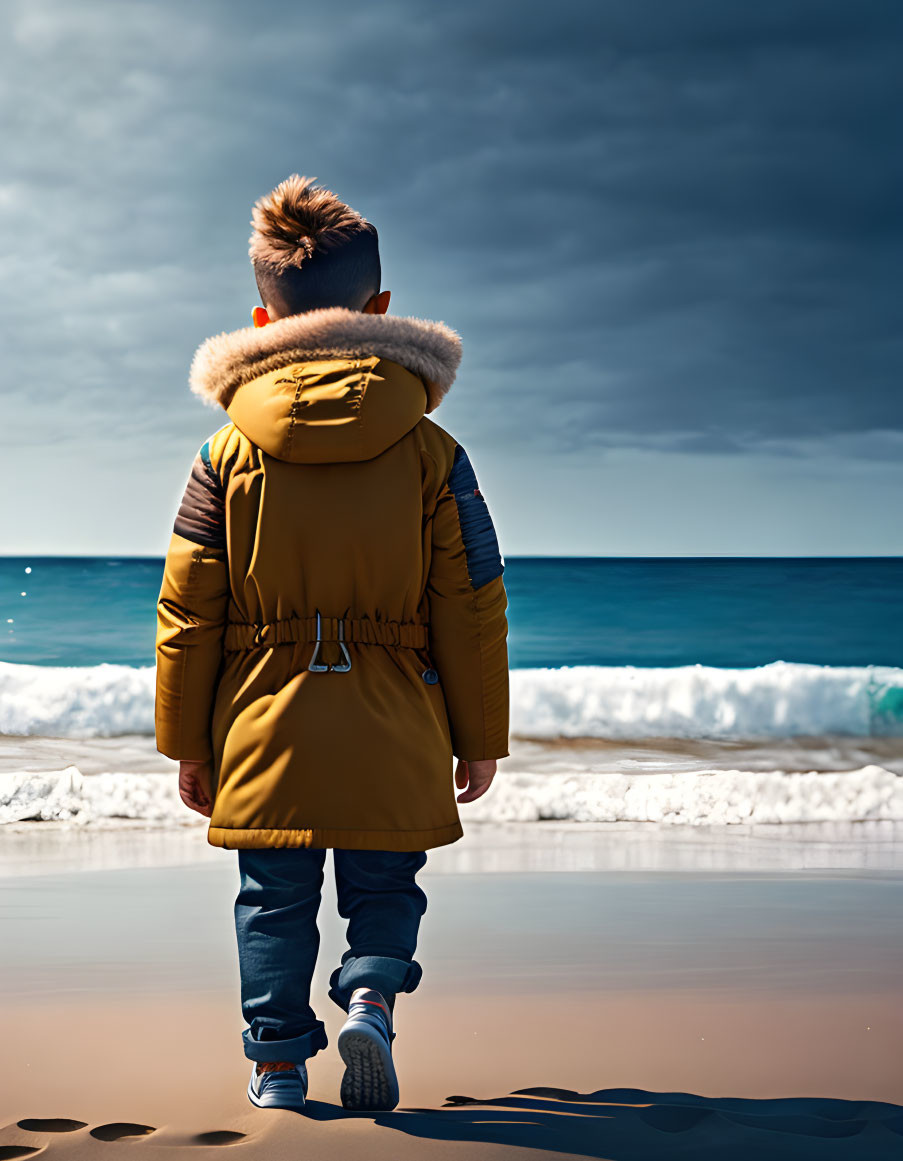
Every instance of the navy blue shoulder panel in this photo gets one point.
(202, 514)
(204, 453)
(481, 546)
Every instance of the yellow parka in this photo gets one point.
(331, 623)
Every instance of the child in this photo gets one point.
(331, 630)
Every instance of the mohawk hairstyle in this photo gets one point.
(309, 250)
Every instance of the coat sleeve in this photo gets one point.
(191, 617)
(468, 627)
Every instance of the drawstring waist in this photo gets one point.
(241, 636)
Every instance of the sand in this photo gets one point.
(636, 1009)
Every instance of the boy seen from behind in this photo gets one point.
(331, 631)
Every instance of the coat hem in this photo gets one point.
(256, 838)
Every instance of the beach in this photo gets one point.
(671, 929)
(562, 461)
(640, 1008)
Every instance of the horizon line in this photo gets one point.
(517, 556)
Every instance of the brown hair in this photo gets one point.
(310, 250)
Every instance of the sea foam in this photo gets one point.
(88, 701)
(698, 798)
(779, 700)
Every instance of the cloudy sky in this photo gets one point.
(668, 233)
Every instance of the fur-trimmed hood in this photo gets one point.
(430, 350)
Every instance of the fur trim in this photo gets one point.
(430, 350)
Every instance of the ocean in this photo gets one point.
(606, 611)
(696, 680)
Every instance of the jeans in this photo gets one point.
(278, 940)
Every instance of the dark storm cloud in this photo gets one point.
(673, 226)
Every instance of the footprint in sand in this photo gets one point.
(121, 1131)
(124, 1131)
(50, 1125)
(38, 1125)
(218, 1137)
(115, 1131)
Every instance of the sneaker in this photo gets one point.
(285, 1089)
(365, 1045)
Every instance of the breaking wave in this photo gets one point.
(779, 700)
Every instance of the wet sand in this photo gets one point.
(137, 753)
(720, 1013)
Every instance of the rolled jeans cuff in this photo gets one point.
(293, 1051)
(387, 975)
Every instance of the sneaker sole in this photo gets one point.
(369, 1081)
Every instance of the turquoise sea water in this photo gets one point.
(726, 612)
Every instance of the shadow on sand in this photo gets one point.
(633, 1125)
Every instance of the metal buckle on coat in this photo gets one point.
(317, 666)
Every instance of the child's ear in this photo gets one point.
(259, 316)
(378, 303)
